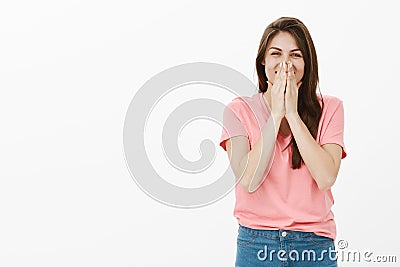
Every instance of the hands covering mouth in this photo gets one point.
(284, 91)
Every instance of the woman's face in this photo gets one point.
(283, 48)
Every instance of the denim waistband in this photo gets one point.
(278, 234)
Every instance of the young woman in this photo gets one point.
(285, 144)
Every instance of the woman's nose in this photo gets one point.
(286, 57)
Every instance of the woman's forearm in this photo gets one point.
(258, 159)
(318, 161)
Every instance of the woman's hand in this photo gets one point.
(278, 93)
(291, 94)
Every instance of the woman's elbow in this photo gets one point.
(245, 184)
(326, 183)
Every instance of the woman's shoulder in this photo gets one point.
(245, 102)
(331, 105)
(330, 101)
(246, 98)
(329, 98)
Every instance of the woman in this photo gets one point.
(285, 144)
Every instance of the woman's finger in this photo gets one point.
(284, 77)
(277, 76)
(291, 77)
(284, 70)
(289, 82)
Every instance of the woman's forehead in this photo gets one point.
(283, 41)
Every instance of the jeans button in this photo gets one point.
(284, 234)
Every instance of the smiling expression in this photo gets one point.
(283, 48)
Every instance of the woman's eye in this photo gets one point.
(275, 53)
(296, 55)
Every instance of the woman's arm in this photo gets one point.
(249, 165)
(323, 162)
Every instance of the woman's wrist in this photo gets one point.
(291, 117)
(277, 121)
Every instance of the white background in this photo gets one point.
(68, 71)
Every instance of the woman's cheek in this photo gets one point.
(299, 76)
(299, 71)
(270, 72)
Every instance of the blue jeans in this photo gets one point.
(283, 248)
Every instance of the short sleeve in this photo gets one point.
(334, 129)
(232, 125)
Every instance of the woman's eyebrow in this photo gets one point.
(296, 49)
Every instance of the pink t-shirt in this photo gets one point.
(286, 199)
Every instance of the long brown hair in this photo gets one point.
(308, 106)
